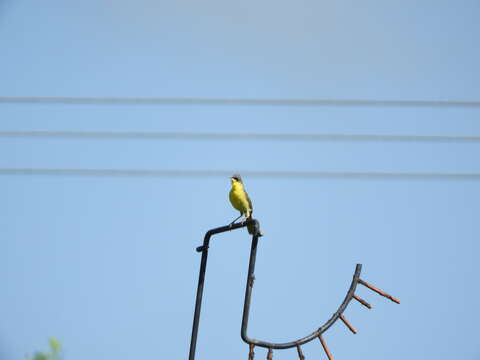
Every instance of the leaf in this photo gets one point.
(40, 356)
(54, 345)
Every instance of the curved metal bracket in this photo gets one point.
(296, 343)
(248, 293)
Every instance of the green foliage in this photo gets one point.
(53, 354)
(54, 345)
(40, 356)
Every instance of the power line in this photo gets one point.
(102, 172)
(234, 101)
(237, 136)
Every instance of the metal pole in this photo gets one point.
(198, 302)
(248, 289)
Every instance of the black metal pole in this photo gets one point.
(248, 289)
(198, 302)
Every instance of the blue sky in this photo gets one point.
(107, 264)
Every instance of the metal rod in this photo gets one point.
(248, 290)
(270, 354)
(345, 321)
(300, 353)
(198, 302)
(361, 301)
(325, 347)
(378, 291)
(251, 353)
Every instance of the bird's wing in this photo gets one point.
(249, 203)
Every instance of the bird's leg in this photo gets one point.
(247, 216)
(233, 222)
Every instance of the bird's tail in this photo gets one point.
(251, 228)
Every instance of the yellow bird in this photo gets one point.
(240, 201)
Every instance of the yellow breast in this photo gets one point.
(239, 200)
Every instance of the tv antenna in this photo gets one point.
(270, 346)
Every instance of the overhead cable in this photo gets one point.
(237, 101)
(104, 172)
(180, 135)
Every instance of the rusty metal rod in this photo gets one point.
(345, 321)
(361, 301)
(251, 353)
(300, 353)
(325, 347)
(270, 354)
(378, 291)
